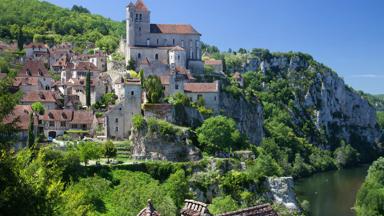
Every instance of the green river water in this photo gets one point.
(331, 193)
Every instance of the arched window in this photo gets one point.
(139, 56)
(157, 56)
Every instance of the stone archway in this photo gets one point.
(52, 134)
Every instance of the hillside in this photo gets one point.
(28, 20)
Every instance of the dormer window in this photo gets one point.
(50, 115)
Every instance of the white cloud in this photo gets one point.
(367, 76)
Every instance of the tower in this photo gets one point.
(138, 24)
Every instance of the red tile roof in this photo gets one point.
(141, 6)
(39, 96)
(201, 87)
(36, 45)
(31, 81)
(149, 210)
(86, 66)
(213, 62)
(82, 117)
(261, 210)
(173, 29)
(21, 114)
(33, 69)
(57, 115)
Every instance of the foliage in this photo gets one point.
(177, 187)
(218, 134)
(163, 128)
(264, 165)
(370, 198)
(79, 9)
(109, 150)
(153, 88)
(108, 43)
(131, 65)
(380, 118)
(138, 121)
(38, 108)
(208, 69)
(222, 204)
(89, 151)
(105, 101)
(346, 156)
(179, 99)
(31, 132)
(88, 89)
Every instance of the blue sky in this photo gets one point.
(346, 35)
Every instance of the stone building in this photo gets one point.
(118, 120)
(210, 92)
(166, 44)
(33, 76)
(47, 98)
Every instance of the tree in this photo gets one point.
(89, 151)
(88, 89)
(153, 88)
(131, 65)
(177, 187)
(108, 43)
(264, 165)
(217, 134)
(4, 66)
(31, 132)
(222, 204)
(38, 108)
(179, 99)
(346, 156)
(109, 150)
(79, 9)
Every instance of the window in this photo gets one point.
(117, 129)
(148, 42)
(141, 17)
(215, 98)
(51, 124)
(137, 17)
(190, 43)
(173, 42)
(63, 124)
(74, 126)
(139, 56)
(139, 29)
(157, 56)
(199, 96)
(117, 120)
(182, 43)
(178, 57)
(157, 42)
(84, 126)
(176, 86)
(132, 93)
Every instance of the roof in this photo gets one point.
(213, 62)
(86, 66)
(183, 71)
(261, 210)
(201, 87)
(194, 208)
(173, 29)
(177, 48)
(140, 5)
(31, 81)
(149, 210)
(164, 79)
(41, 96)
(21, 114)
(36, 45)
(33, 69)
(57, 115)
(82, 117)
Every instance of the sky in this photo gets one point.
(346, 35)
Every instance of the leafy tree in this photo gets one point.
(264, 165)
(109, 150)
(208, 69)
(153, 88)
(222, 204)
(219, 134)
(346, 155)
(380, 119)
(4, 66)
(31, 132)
(89, 151)
(179, 99)
(177, 187)
(88, 89)
(79, 9)
(108, 43)
(38, 108)
(300, 168)
(131, 65)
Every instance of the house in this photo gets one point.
(81, 69)
(217, 65)
(38, 51)
(20, 114)
(149, 210)
(210, 92)
(261, 210)
(160, 44)
(194, 208)
(47, 98)
(118, 120)
(33, 75)
(55, 122)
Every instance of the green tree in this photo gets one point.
(264, 165)
(179, 99)
(79, 9)
(109, 150)
(223, 204)
(88, 89)
(38, 108)
(4, 66)
(346, 155)
(31, 132)
(177, 187)
(89, 151)
(380, 118)
(154, 89)
(108, 43)
(217, 134)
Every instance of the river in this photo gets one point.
(331, 193)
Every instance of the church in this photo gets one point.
(159, 48)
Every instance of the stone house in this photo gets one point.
(217, 65)
(38, 51)
(118, 120)
(47, 98)
(55, 122)
(210, 92)
(156, 42)
(33, 76)
(98, 59)
(81, 69)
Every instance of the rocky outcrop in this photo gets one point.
(248, 116)
(150, 144)
(281, 191)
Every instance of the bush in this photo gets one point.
(346, 156)
(263, 166)
(138, 121)
(179, 99)
(222, 204)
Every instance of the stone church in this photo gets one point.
(159, 48)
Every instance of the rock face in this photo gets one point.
(150, 145)
(248, 116)
(281, 191)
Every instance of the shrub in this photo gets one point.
(138, 121)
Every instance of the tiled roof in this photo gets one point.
(62, 62)
(82, 117)
(173, 29)
(57, 115)
(213, 62)
(201, 87)
(39, 96)
(261, 210)
(31, 81)
(21, 114)
(177, 48)
(33, 69)
(185, 72)
(140, 5)
(36, 45)
(149, 210)
(86, 66)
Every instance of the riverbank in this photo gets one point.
(331, 193)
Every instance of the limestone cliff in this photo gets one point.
(159, 140)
